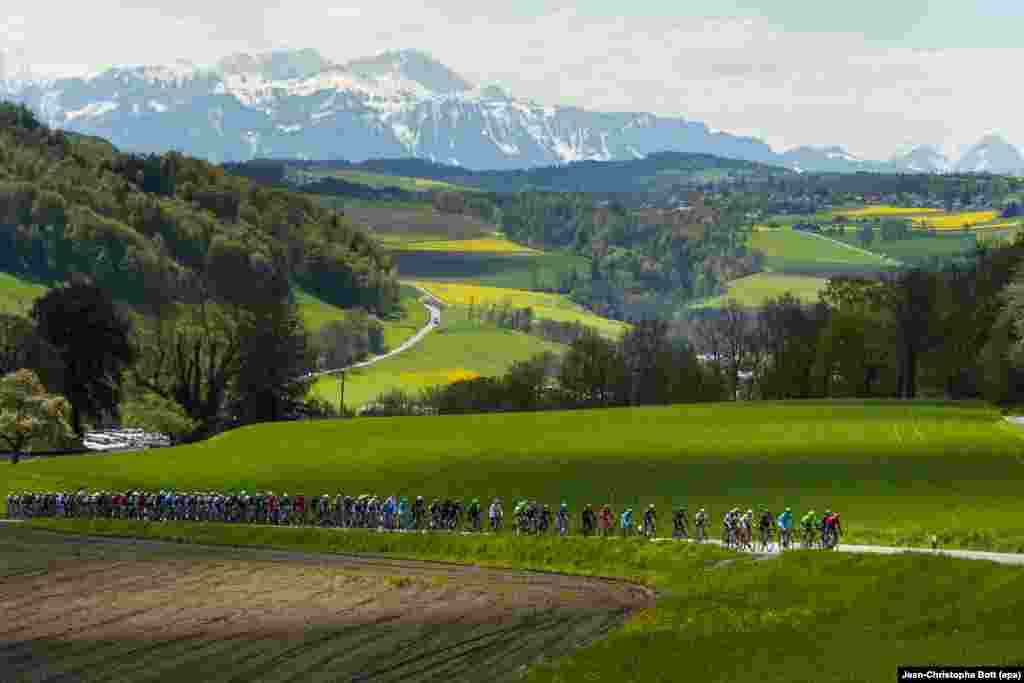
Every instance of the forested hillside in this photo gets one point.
(152, 228)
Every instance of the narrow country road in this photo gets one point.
(435, 320)
(998, 558)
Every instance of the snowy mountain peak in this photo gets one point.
(277, 65)
(410, 65)
(922, 159)
(993, 154)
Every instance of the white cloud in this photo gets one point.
(739, 74)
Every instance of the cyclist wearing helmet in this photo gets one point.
(563, 519)
(650, 518)
(626, 522)
(785, 522)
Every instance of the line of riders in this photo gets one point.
(398, 514)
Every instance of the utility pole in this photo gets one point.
(341, 393)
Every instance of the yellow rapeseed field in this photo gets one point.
(545, 305)
(956, 221)
(439, 376)
(493, 245)
(869, 211)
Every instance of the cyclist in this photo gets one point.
(563, 519)
(823, 529)
(680, 523)
(807, 524)
(495, 513)
(832, 530)
(389, 510)
(701, 521)
(626, 522)
(544, 519)
(417, 513)
(785, 522)
(606, 521)
(765, 524)
(729, 522)
(519, 512)
(650, 519)
(589, 520)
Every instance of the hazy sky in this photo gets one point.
(869, 74)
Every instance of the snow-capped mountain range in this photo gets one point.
(297, 104)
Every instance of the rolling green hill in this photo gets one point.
(753, 290)
(789, 251)
(152, 226)
(898, 471)
(459, 349)
(652, 173)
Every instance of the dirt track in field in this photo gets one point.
(83, 609)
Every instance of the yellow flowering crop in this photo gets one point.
(956, 221)
(482, 245)
(869, 211)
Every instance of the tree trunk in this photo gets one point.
(911, 376)
(76, 419)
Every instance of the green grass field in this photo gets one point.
(787, 250)
(922, 247)
(897, 471)
(719, 617)
(17, 295)
(460, 349)
(410, 318)
(753, 290)
(380, 180)
(508, 271)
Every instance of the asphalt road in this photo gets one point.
(999, 558)
(432, 324)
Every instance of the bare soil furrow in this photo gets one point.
(140, 611)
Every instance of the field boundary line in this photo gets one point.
(885, 259)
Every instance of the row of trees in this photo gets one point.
(188, 369)
(955, 333)
(950, 333)
(646, 367)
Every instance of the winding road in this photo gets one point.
(432, 304)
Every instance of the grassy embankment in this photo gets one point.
(459, 349)
(896, 471)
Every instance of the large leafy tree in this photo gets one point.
(93, 340)
(29, 416)
(276, 354)
(190, 355)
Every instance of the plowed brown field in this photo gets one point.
(84, 609)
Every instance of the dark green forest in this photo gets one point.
(156, 228)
